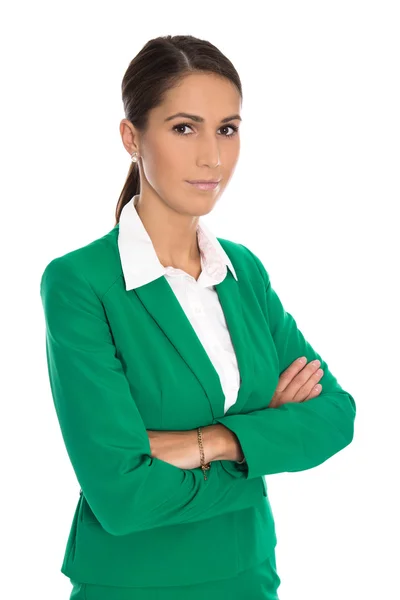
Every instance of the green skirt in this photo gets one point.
(260, 582)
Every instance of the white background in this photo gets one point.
(314, 195)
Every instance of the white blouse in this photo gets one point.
(198, 298)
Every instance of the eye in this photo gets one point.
(183, 125)
(234, 127)
(180, 125)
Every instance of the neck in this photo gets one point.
(174, 235)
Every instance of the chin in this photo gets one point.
(200, 207)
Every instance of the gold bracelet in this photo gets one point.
(204, 466)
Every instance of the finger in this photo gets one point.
(288, 374)
(301, 380)
(314, 392)
(306, 389)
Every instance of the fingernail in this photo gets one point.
(302, 360)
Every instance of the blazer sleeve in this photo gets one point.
(294, 436)
(127, 489)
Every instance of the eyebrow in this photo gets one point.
(201, 119)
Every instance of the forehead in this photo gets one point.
(207, 95)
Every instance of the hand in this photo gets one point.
(297, 383)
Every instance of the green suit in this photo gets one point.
(121, 362)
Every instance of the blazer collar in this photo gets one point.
(139, 260)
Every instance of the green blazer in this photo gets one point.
(121, 362)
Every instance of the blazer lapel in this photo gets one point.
(232, 305)
(160, 301)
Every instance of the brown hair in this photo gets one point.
(158, 67)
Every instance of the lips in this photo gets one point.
(204, 180)
(205, 185)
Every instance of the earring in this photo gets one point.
(134, 157)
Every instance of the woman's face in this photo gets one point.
(175, 149)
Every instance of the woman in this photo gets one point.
(173, 365)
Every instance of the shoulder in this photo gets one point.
(97, 263)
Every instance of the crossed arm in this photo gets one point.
(129, 489)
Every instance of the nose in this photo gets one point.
(208, 152)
